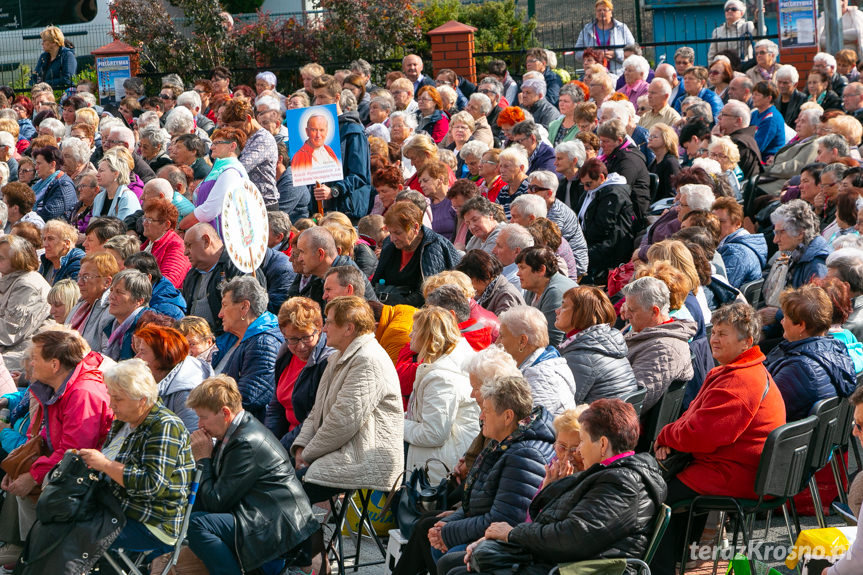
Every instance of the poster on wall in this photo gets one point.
(111, 72)
(798, 23)
(314, 145)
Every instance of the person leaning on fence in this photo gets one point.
(251, 510)
(57, 64)
(735, 34)
(605, 31)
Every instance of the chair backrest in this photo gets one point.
(666, 411)
(784, 465)
(636, 398)
(184, 527)
(846, 421)
(752, 291)
(662, 519)
(827, 412)
(654, 187)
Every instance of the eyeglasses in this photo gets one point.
(222, 142)
(147, 220)
(717, 155)
(425, 99)
(520, 141)
(115, 142)
(26, 170)
(732, 9)
(490, 163)
(305, 340)
(702, 152)
(166, 97)
(84, 278)
(570, 451)
(201, 91)
(533, 188)
(654, 137)
(858, 427)
(761, 52)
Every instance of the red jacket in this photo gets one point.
(477, 334)
(169, 252)
(726, 425)
(486, 318)
(79, 418)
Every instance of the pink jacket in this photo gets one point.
(79, 418)
(169, 252)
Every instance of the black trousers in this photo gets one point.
(672, 543)
(416, 556)
(453, 564)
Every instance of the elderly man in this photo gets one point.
(192, 100)
(158, 188)
(695, 84)
(744, 254)
(533, 100)
(123, 136)
(733, 122)
(247, 481)
(568, 158)
(540, 155)
(669, 74)
(659, 112)
(412, 67)
(791, 158)
(343, 280)
(479, 106)
(846, 264)
(766, 67)
(740, 89)
(511, 240)
(536, 60)
(658, 345)
(529, 208)
(826, 64)
(544, 184)
(852, 100)
(494, 90)
(211, 265)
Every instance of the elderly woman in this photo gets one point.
(770, 126)
(248, 348)
(90, 315)
(790, 98)
(190, 150)
(719, 76)
(461, 129)
(160, 221)
(565, 127)
(595, 351)
(397, 281)
(726, 152)
(470, 160)
(259, 152)
(567, 458)
(766, 52)
(618, 489)
(635, 70)
(153, 144)
(402, 126)
(387, 181)
(434, 181)
(489, 169)
(818, 84)
(480, 215)
(664, 143)
(227, 173)
(352, 438)
(26, 170)
(57, 63)
(76, 160)
(23, 307)
(129, 297)
(62, 298)
(202, 342)
(809, 365)
(724, 428)
(55, 191)
(442, 418)
(544, 285)
(61, 259)
(733, 34)
(507, 118)
(512, 164)
(524, 335)
(116, 199)
(432, 119)
(166, 352)
(493, 291)
(300, 363)
(605, 31)
(147, 452)
(23, 108)
(420, 150)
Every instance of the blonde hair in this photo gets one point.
(402, 84)
(669, 138)
(463, 118)
(214, 393)
(449, 277)
(65, 230)
(302, 313)
(568, 420)
(728, 147)
(313, 69)
(66, 293)
(343, 232)
(87, 116)
(848, 127)
(118, 165)
(11, 126)
(194, 325)
(53, 34)
(436, 333)
(133, 378)
(679, 256)
(420, 144)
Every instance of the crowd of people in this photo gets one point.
(501, 266)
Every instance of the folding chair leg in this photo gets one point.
(767, 526)
(837, 476)
(114, 564)
(816, 499)
(794, 515)
(788, 524)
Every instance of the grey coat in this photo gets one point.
(597, 358)
(500, 295)
(854, 324)
(175, 388)
(93, 330)
(23, 311)
(548, 303)
(659, 355)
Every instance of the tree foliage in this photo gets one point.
(500, 24)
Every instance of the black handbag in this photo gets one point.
(676, 462)
(417, 496)
(68, 493)
(493, 555)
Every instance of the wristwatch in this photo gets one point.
(335, 191)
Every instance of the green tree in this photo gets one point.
(500, 24)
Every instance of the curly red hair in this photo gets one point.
(512, 115)
(168, 344)
(583, 87)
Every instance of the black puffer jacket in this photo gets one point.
(503, 480)
(630, 163)
(254, 481)
(597, 357)
(602, 512)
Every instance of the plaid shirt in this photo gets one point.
(158, 464)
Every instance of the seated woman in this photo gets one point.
(434, 181)
(594, 350)
(524, 335)
(839, 293)
(543, 285)
(62, 298)
(148, 458)
(115, 200)
(160, 221)
(724, 428)
(567, 457)
(166, 352)
(130, 293)
(442, 418)
(202, 342)
(619, 490)
(248, 348)
(493, 291)
(300, 363)
(61, 259)
(808, 365)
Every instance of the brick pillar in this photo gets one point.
(452, 47)
(800, 58)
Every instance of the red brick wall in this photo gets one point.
(452, 47)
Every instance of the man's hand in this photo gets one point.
(498, 530)
(202, 444)
(323, 192)
(435, 537)
(22, 486)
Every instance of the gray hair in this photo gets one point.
(79, 148)
(826, 59)
(516, 237)
(686, 53)
(4, 213)
(848, 263)
(701, 110)
(157, 136)
(834, 141)
(117, 165)
(384, 103)
(136, 284)
(147, 119)
(525, 128)
(663, 84)
(573, 92)
(493, 85)
(89, 99)
(622, 110)
(526, 320)
(508, 393)
(55, 125)
(484, 102)
(280, 222)
(321, 239)
(529, 205)
(811, 116)
(409, 119)
(190, 99)
(574, 150)
(473, 148)
(836, 169)
(124, 134)
(491, 363)
(9, 114)
(180, 121)
(787, 72)
(742, 317)
(134, 84)
(535, 85)
(639, 63)
(268, 103)
(247, 288)
(737, 4)
(450, 297)
(348, 101)
(172, 80)
(698, 196)
(545, 178)
(361, 66)
(134, 379)
(799, 219)
(771, 46)
(649, 292)
(614, 129)
(349, 276)
(515, 153)
(738, 110)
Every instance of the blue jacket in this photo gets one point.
(59, 199)
(293, 200)
(126, 351)
(69, 266)
(168, 300)
(810, 370)
(279, 273)
(503, 481)
(705, 94)
(770, 133)
(26, 130)
(553, 84)
(253, 363)
(813, 262)
(699, 348)
(640, 136)
(745, 256)
(303, 395)
(58, 73)
(541, 159)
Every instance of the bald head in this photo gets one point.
(156, 188)
(316, 250)
(203, 246)
(668, 73)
